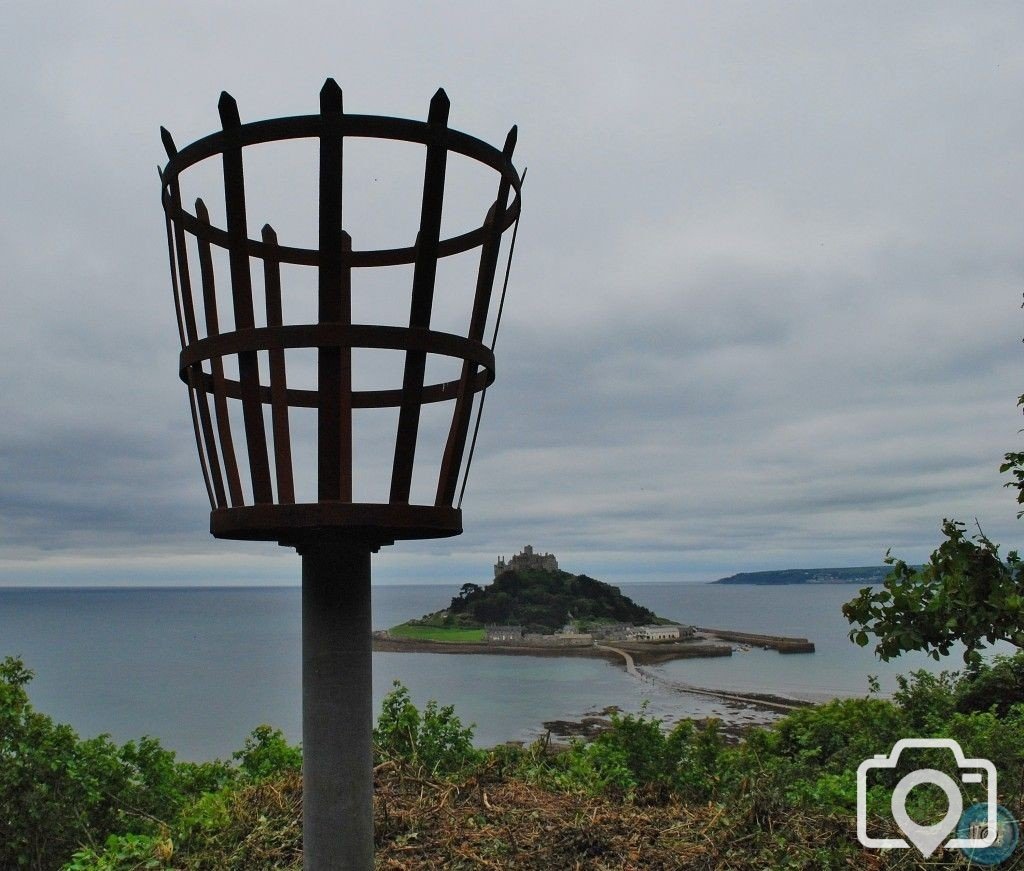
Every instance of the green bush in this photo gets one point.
(435, 739)
(995, 686)
(267, 754)
(59, 793)
(928, 700)
(123, 853)
(636, 758)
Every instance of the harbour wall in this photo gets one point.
(781, 643)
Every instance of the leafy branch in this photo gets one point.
(965, 593)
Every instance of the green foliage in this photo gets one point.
(966, 593)
(637, 758)
(995, 686)
(435, 740)
(1013, 462)
(267, 754)
(58, 792)
(839, 735)
(928, 700)
(123, 853)
(542, 601)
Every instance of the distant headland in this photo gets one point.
(858, 575)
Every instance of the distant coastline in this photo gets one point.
(856, 575)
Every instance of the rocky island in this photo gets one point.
(532, 607)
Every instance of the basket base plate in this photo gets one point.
(378, 524)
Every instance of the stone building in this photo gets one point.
(527, 561)
(656, 633)
(576, 639)
(612, 631)
(519, 635)
(505, 634)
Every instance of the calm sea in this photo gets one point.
(200, 668)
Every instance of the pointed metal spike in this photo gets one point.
(269, 236)
(168, 140)
(439, 106)
(160, 173)
(330, 97)
(228, 109)
(201, 211)
(510, 141)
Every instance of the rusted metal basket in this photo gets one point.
(273, 512)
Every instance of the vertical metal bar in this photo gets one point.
(192, 381)
(424, 273)
(455, 446)
(278, 377)
(172, 149)
(174, 282)
(337, 707)
(184, 281)
(192, 392)
(220, 401)
(345, 379)
(241, 294)
(195, 380)
(494, 341)
(185, 313)
(199, 385)
(208, 459)
(508, 269)
(334, 419)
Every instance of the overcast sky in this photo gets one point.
(763, 313)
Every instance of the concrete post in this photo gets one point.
(337, 707)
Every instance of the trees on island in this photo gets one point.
(544, 601)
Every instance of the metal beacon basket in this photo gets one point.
(273, 512)
(334, 534)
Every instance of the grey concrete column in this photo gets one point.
(337, 708)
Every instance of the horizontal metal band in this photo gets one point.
(355, 259)
(338, 335)
(331, 335)
(313, 126)
(375, 522)
(442, 391)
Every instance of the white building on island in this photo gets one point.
(655, 633)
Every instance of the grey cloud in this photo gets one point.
(763, 309)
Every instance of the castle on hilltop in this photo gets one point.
(527, 561)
